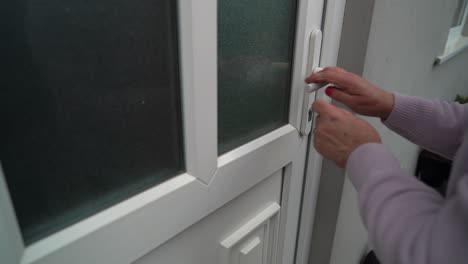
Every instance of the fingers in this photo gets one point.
(323, 140)
(328, 111)
(322, 107)
(346, 81)
(339, 95)
(334, 75)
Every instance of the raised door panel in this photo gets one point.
(249, 222)
(255, 241)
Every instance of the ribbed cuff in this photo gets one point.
(408, 112)
(368, 160)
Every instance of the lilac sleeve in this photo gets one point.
(407, 221)
(434, 125)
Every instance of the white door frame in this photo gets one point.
(334, 14)
(125, 231)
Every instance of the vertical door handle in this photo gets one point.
(313, 59)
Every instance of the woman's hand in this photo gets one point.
(338, 132)
(355, 92)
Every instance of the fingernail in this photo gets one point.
(328, 91)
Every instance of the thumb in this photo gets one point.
(339, 95)
(322, 107)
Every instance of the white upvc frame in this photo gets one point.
(457, 30)
(456, 41)
(332, 27)
(309, 18)
(89, 241)
(11, 242)
(126, 231)
(198, 48)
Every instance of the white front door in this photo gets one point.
(154, 131)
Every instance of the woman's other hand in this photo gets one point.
(355, 92)
(338, 132)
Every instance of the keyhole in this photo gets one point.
(310, 115)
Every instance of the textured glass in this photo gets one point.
(255, 48)
(91, 107)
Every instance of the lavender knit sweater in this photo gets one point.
(407, 221)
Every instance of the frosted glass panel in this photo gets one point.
(255, 48)
(92, 107)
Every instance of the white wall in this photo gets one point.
(404, 40)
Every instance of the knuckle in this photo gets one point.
(353, 78)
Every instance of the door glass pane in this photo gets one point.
(255, 51)
(459, 13)
(92, 106)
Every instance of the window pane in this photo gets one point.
(92, 106)
(459, 13)
(255, 50)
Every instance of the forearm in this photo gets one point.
(407, 221)
(434, 125)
